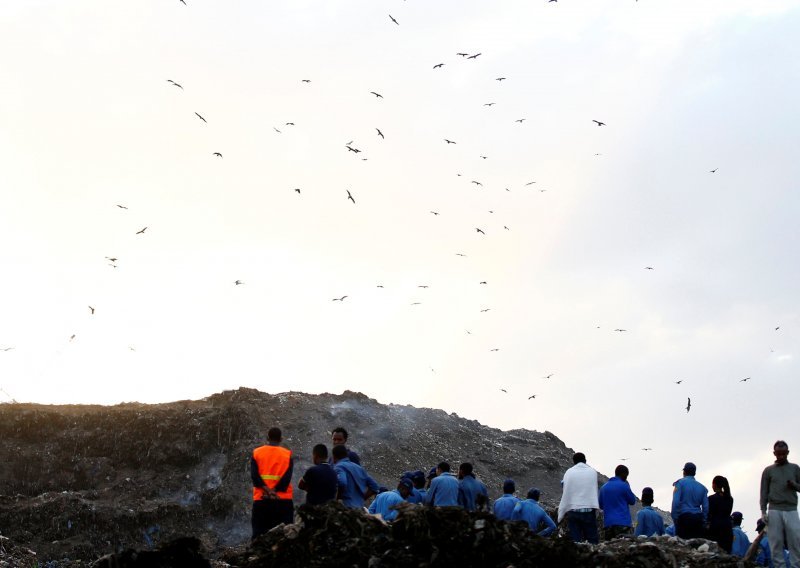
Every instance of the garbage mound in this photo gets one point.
(332, 535)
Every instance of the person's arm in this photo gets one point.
(549, 528)
(516, 514)
(430, 493)
(600, 497)
(705, 508)
(639, 530)
(764, 493)
(341, 482)
(254, 475)
(630, 497)
(373, 507)
(372, 486)
(286, 478)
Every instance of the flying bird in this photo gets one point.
(473, 56)
(484, 157)
(112, 259)
(91, 309)
(395, 21)
(297, 189)
(121, 206)
(462, 54)
(713, 171)
(678, 382)
(485, 310)
(530, 183)
(350, 197)
(449, 141)
(548, 376)
(217, 154)
(460, 254)
(422, 286)
(289, 124)
(599, 123)
(201, 118)
(356, 150)
(646, 449)
(478, 229)
(306, 80)
(500, 79)
(339, 299)
(620, 329)
(777, 328)
(649, 268)
(488, 104)
(380, 133)
(438, 65)
(532, 396)
(415, 303)
(482, 282)
(183, 2)
(238, 283)
(276, 130)
(688, 404)
(435, 212)
(520, 120)
(495, 349)
(506, 228)
(6, 348)
(174, 83)
(71, 337)
(378, 95)
(141, 232)
(744, 380)
(504, 390)
(477, 183)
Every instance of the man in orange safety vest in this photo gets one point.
(271, 470)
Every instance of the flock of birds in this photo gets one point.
(351, 148)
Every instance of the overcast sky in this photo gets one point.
(89, 121)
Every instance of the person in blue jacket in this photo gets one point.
(418, 489)
(472, 493)
(532, 513)
(689, 504)
(740, 541)
(648, 522)
(385, 502)
(504, 506)
(615, 499)
(443, 490)
(355, 484)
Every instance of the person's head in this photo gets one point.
(689, 468)
(509, 487)
(433, 472)
(464, 470)
(720, 485)
(578, 458)
(736, 518)
(622, 472)
(274, 435)
(405, 487)
(338, 436)
(418, 479)
(780, 450)
(338, 453)
(319, 454)
(647, 496)
(534, 493)
(443, 467)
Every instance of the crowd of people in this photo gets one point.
(694, 514)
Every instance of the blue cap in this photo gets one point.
(432, 473)
(406, 481)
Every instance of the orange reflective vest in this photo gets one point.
(272, 462)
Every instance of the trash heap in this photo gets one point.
(333, 535)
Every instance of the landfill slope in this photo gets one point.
(81, 481)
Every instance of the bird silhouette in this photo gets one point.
(646, 449)
(201, 118)
(350, 197)
(6, 348)
(678, 382)
(217, 154)
(435, 212)
(500, 79)
(520, 120)
(485, 310)
(506, 228)
(713, 171)
(620, 329)
(462, 54)
(482, 282)
(91, 310)
(504, 390)
(478, 229)
(484, 157)
(183, 2)
(71, 337)
(378, 95)
(460, 254)
(548, 376)
(599, 123)
(438, 65)
(688, 404)
(495, 349)
(532, 396)
(238, 283)
(339, 299)
(121, 206)
(306, 80)
(174, 83)
(141, 232)
(488, 104)
(423, 286)
(449, 141)
(415, 303)
(530, 183)
(476, 183)
(112, 259)
(297, 189)
(380, 133)
(395, 21)
(744, 380)
(649, 268)
(355, 150)
(288, 123)
(777, 328)
(473, 56)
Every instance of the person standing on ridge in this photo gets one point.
(444, 488)
(355, 484)
(504, 506)
(615, 499)
(271, 471)
(472, 493)
(720, 505)
(579, 502)
(339, 438)
(780, 483)
(689, 504)
(740, 541)
(319, 481)
(648, 522)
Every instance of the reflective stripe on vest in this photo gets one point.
(272, 462)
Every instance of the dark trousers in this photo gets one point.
(690, 525)
(269, 513)
(582, 526)
(614, 531)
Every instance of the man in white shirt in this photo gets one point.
(579, 501)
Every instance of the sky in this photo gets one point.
(693, 173)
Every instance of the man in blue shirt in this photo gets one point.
(472, 493)
(443, 490)
(740, 541)
(355, 484)
(532, 513)
(689, 504)
(319, 481)
(648, 522)
(504, 506)
(615, 499)
(385, 502)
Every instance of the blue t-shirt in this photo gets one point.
(320, 483)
